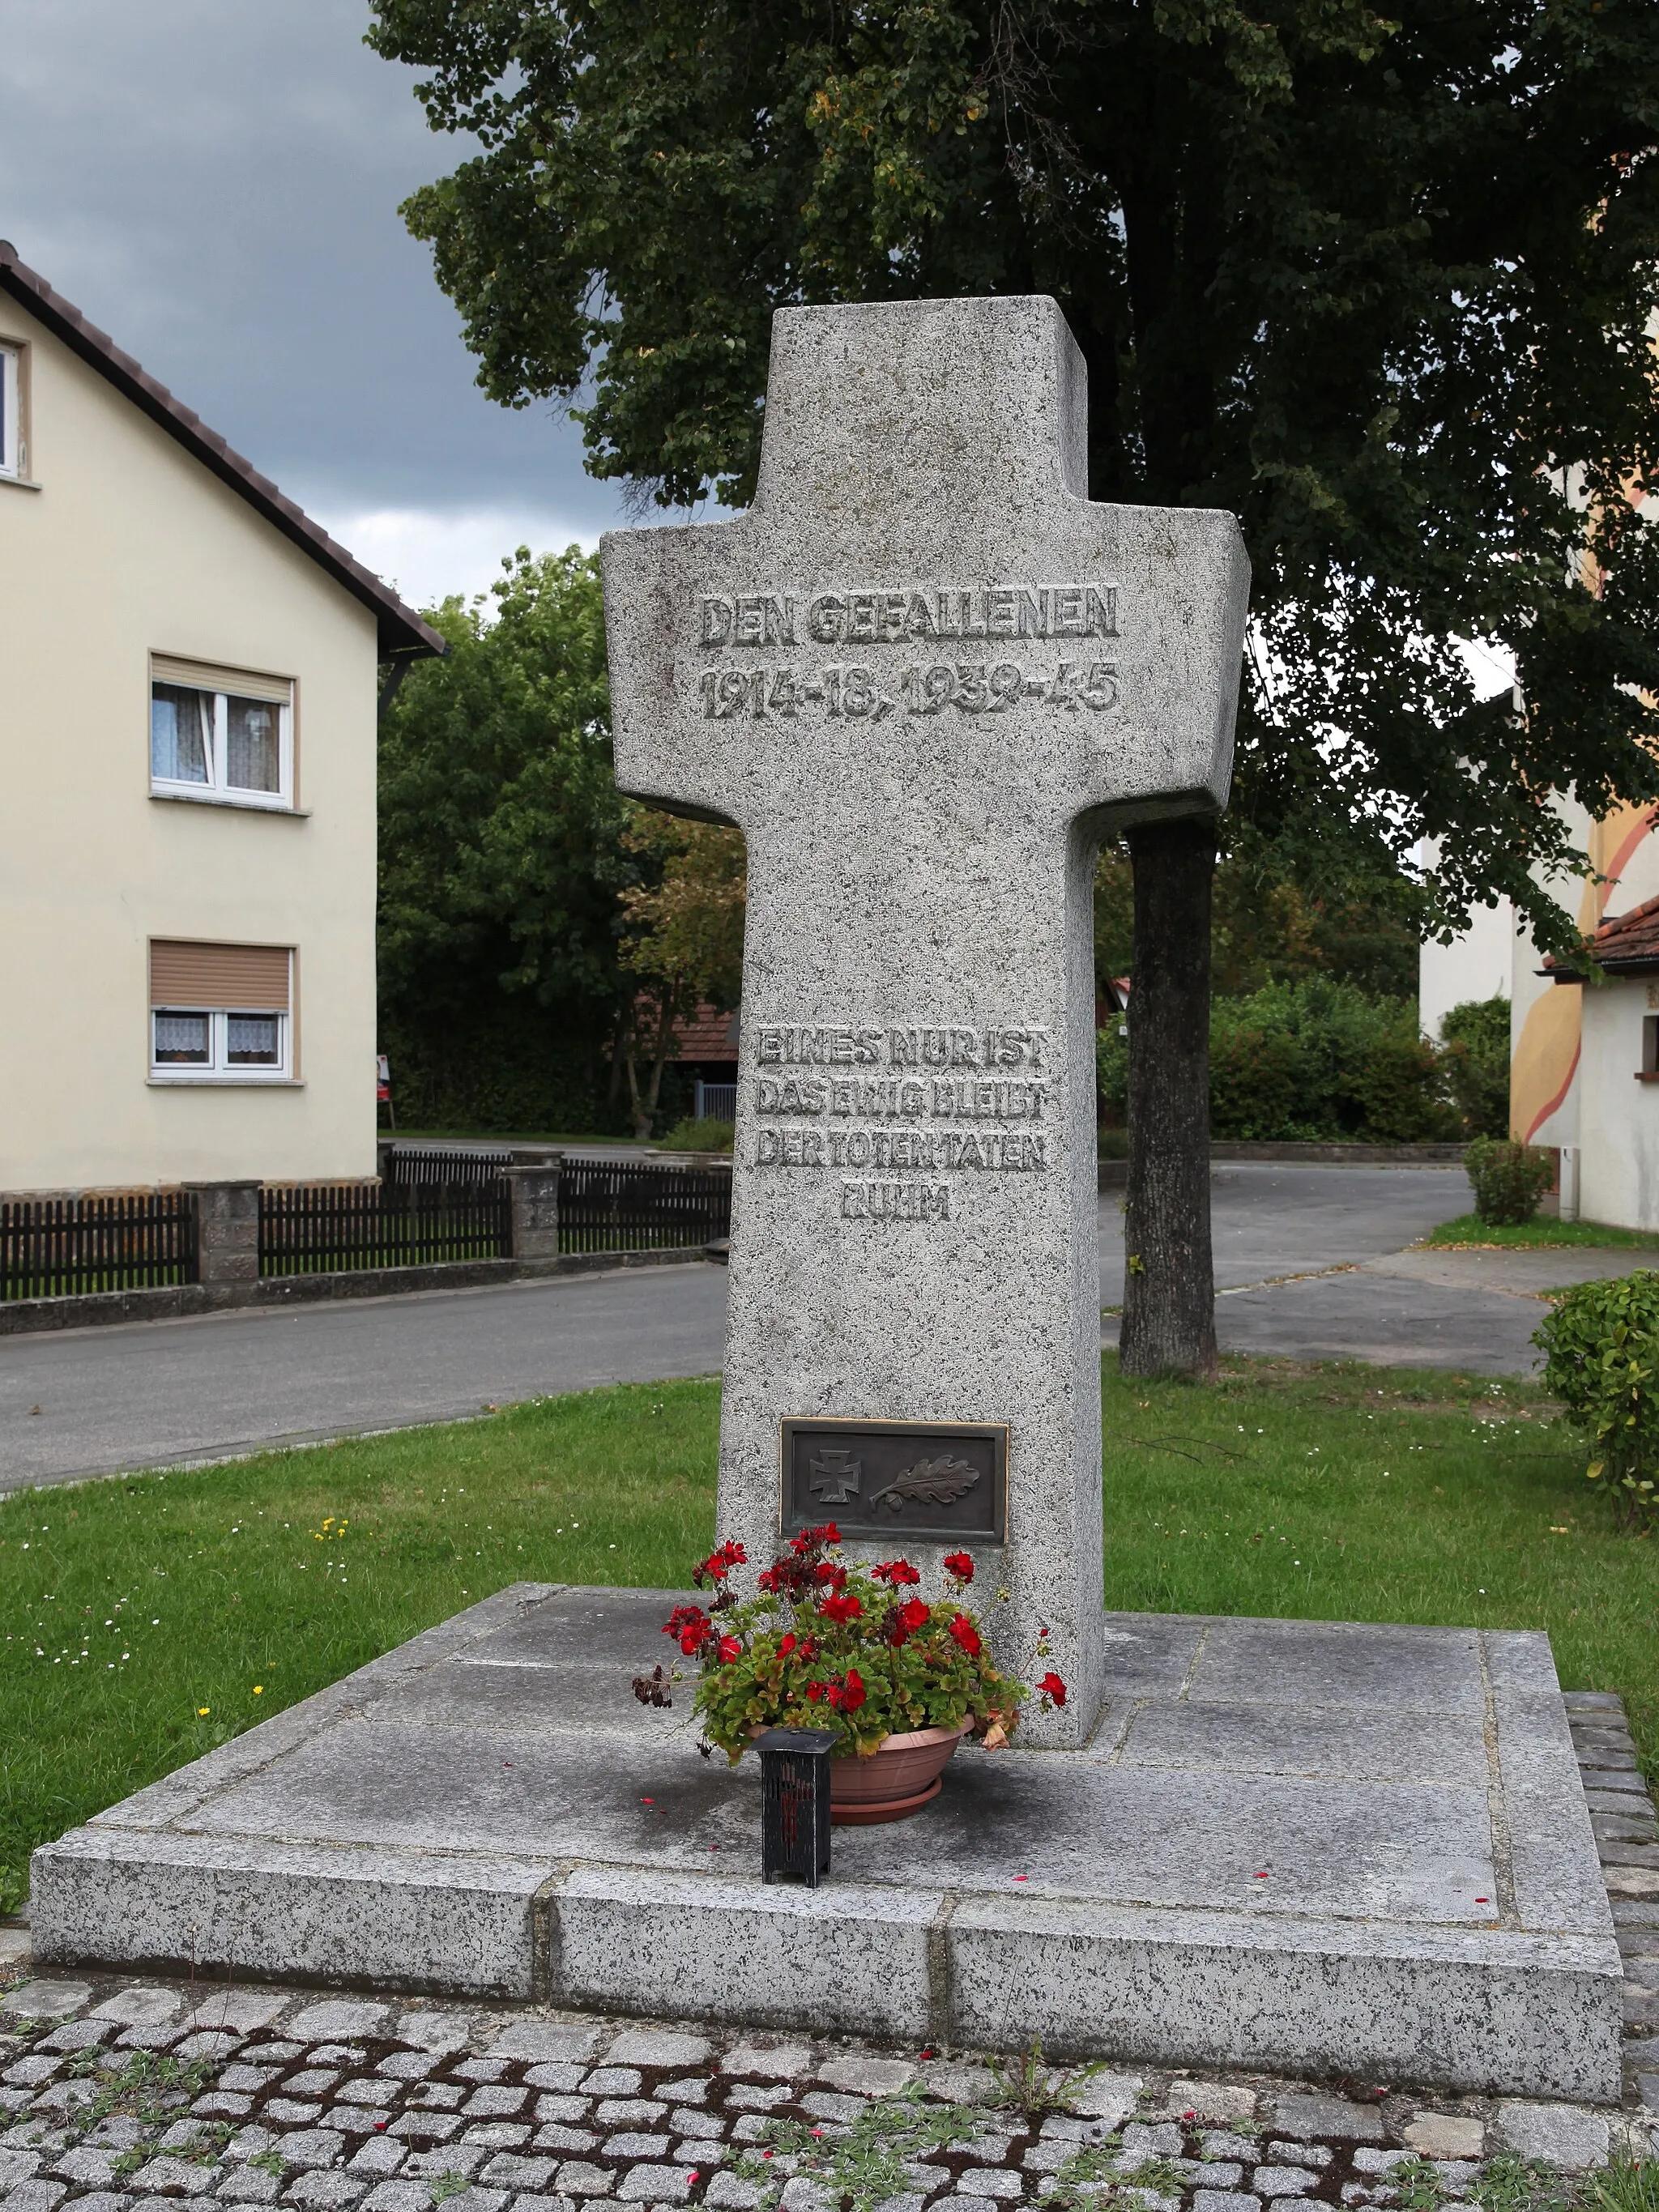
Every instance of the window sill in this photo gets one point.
(226, 1082)
(19, 483)
(1643, 1076)
(224, 799)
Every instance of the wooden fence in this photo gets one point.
(625, 1206)
(331, 1229)
(61, 1248)
(432, 1207)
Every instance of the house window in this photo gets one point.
(220, 1013)
(220, 733)
(13, 452)
(1651, 1044)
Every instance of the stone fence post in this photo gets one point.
(534, 1195)
(226, 1236)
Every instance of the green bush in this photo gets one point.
(1509, 1179)
(1475, 1055)
(1317, 1060)
(1402, 1093)
(710, 1135)
(1602, 1360)
(1257, 1073)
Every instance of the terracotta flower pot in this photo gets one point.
(894, 1781)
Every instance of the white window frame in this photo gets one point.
(217, 1069)
(13, 449)
(218, 790)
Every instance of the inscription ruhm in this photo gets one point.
(896, 1201)
(861, 616)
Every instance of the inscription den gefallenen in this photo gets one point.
(772, 619)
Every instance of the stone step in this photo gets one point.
(1628, 1804)
(1592, 1701)
(1628, 1854)
(1612, 1778)
(1624, 1828)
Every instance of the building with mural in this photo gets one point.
(1581, 1052)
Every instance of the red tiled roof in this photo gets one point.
(707, 1036)
(1624, 944)
(402, 632)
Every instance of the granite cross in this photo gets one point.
(923, 673)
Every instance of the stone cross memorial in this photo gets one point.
(923, 674)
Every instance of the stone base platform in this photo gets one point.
(1333, 1851)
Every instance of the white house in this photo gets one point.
(1574, 1046)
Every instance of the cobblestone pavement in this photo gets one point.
(138, 2097)
(119, 2095)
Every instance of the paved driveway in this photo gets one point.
(1309, 1262)
(1269, 1221)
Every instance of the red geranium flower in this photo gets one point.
(830, 1574)
(691, 1627)
(907, 1619)
(787, 1646)
(1052, 1687)
(814, 1691)
(961, 1564)
(895, 1571)
(729, 1649)
(963, 1631)
(720, 1564)
(847, 1696)
(841, 1608)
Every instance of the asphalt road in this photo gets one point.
(1310, 1264)
(153, 1393)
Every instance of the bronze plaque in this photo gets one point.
(932, 1481)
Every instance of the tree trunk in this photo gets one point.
(1169, 1288)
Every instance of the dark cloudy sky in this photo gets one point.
(216, 183)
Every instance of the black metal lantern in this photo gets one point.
(795, 1803)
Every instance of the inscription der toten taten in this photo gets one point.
(923, 673)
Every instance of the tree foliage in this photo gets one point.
(682, 939)
(501, 866)
(1285, 907)
(1379, 284)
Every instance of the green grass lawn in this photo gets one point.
(146, 1619)
(1470, 1230)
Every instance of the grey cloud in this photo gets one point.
(217, 182)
